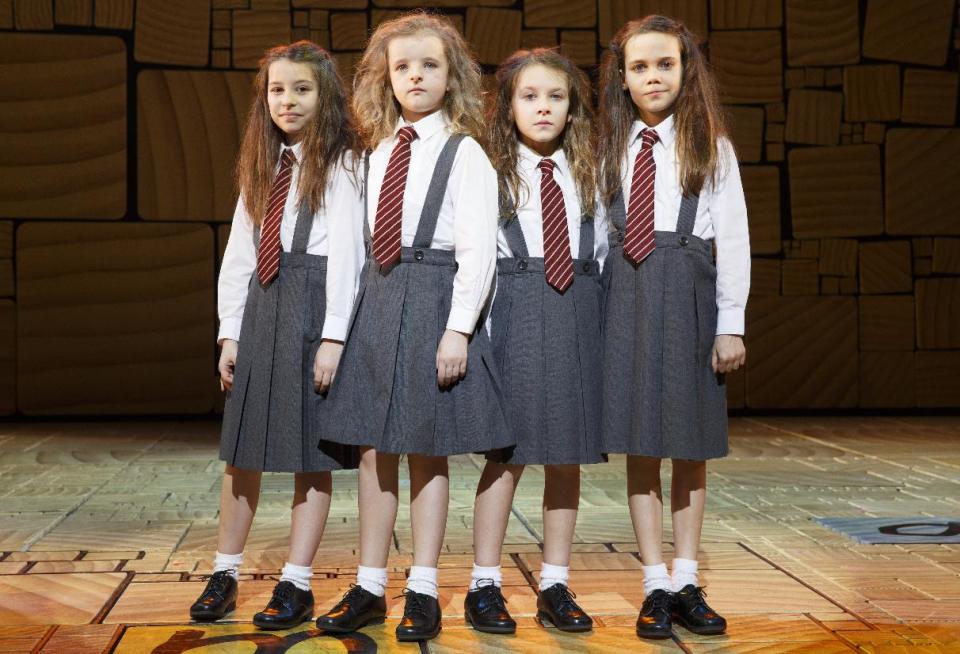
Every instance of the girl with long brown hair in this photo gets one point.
(286, 289)
(673, 319)
(544, 324)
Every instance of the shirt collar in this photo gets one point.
(296, 148)
(665, 130)
(426, 126)
(529, 160)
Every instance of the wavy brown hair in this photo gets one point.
(576, 140)
(326, 139)
(374, 104)
(698, 116)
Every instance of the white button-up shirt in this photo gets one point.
(337, 233)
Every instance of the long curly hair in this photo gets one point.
(698, 115)
(374, 104)
(576, 140)
(326, 139)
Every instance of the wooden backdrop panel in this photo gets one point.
(172, 32)
(922, 176)
(917, 32)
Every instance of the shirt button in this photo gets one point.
(684, 240)
(522, 264)
(619, 237)
(586, 266)
(418, 255)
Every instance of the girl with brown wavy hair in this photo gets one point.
(417, 377)
(673, 319)
(286, 288)
(544, 324)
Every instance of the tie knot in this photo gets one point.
(287, 158)
(649, 137)
(547, 165)
(406, 134)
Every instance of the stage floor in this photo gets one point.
(106, 530)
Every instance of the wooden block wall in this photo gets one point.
(844, 114)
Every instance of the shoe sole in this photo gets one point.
(544, 618)
(210, 617)
(274, 626)
(340, 630)
(413, 639)
(490, 630)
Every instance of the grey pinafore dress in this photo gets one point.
(661, 397)
(386, 394)
(547, 347)
(273, 410)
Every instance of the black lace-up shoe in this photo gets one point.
(485, 609)
(654, 620)
(356, 610)
(288, 607)
(556, 605)
(421, 617)
(690, 609)
(217, 599)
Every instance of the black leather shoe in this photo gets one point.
(217, 599)
(288, 607)
(485, 610)
(356, 610)
(421, 617)
(655, 620)
(690, 609)
(556, 605)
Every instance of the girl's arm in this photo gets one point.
(728, 212)
(239, 263)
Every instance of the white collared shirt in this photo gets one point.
(721, 216)
(530, 212)
(467, 222)
(337, 233)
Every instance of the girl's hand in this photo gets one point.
(228, 359)
(729, 353)
(451, 357)
(325, 364)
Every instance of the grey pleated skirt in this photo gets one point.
(661, 397)
(548, 350)
(273, 410)
(386, 394)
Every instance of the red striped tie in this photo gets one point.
(639, 241)
(557, 263)
(386, 231)
(268, 256)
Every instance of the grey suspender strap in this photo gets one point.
(685, 220)
(586, 238)
(511, 227)
(301, 235)
(366, 178)
(435, 192)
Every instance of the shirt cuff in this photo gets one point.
(730, 321)
(335, 328)
(229, 328)
(462, 320)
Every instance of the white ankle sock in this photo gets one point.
(423, 580)
(229, 562)
(655, 577)
(482, 573)
(372, 580)
(298, 575)
(684, 573)
(550, 575)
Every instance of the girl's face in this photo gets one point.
(293, 96)
(652, 72)
(418, 74)
(540, 106)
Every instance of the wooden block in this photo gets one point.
(270, 5)
(775, 133)
(921, 175)
(810, 249)
(299, 33)
(559, 13)
(417, 4)
(848, 286)
(856, 139)
(614, 13)
(347, 63)
(221, 19)
(69, 160)
(922, 246)
(813, 76)
(887, 380)
(172, 32)
(746, 132)
(301, 19)
(938, 313)
(33, 14)
(348, 31)
(775, 152)
(803, 352)
(922, 267)
(77, 315)
(6, 239)
(822, 32)
(748, 65)
(871, 92)
(6, 14)
(82, 639)
(220, 39)
(113, 14)
(838, 256)
(220, 58)
(915, 32)
(835, 191)
(745, 14)
(765, 277)
(761, 186)
(6, 278)
(331, 4)
(938, 379)
(800, 277)
(813, 117)
(887, 323)
(319, 19)
(495, 33)
(929, 96)
(833, 77)
(8, 357)
(186, 166)
(946, 255)
(254, 32)
(73, 12)
(885, 267)
(874, 132)
(580, 46)
(530, 39)
(321, 38)
(829, 286)
(794, 78)
(776, 112)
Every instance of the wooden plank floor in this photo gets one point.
(106, 531)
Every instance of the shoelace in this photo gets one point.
(349, 596)
(492, 596)
(415, 603)
(660, 601)
(218, 581)
(565, 599)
